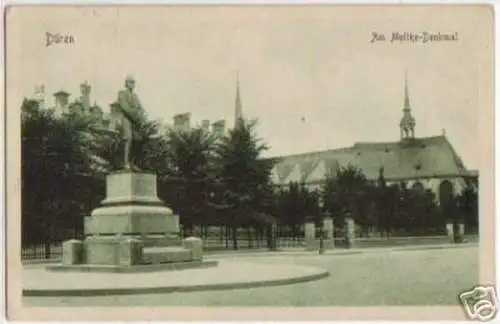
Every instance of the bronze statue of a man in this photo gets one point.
(127, 116)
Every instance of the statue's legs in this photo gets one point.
(126, 153)
(127, 139)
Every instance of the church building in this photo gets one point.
(423, 162)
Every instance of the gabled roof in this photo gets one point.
(406, 159)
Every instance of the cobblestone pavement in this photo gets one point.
(382, 277)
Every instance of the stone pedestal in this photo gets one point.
(328, 230)
(102, 250)
(350, 231)
(310, 236)
(130, 252)
(131, 227)
(132, 208)
(72, 252)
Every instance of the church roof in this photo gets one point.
(426, 157)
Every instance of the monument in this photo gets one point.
(132, 229)
(127, 117)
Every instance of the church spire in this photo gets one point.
(407, 96)
(407, 124)
(238, 112)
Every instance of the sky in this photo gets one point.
(310, 74)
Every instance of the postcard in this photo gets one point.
(250, 162)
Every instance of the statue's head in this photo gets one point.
(130, 82)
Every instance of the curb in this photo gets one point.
(142, 268)
(342, 251)
(284, 254)
(437, 247)
(172, 289)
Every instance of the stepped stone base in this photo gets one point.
(141, 268)
(112, 251)
(131, 229)
(131, 219)
(159, 240)
(157, 255)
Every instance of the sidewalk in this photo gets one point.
(300, 251)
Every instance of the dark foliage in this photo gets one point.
(57, 174)
(242, 179)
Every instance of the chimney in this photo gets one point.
(61, 101)
(182, 121)
(39, 95)
(177, 120)
(205, 125)
(114, 113)
(85, 90)
(114, 107)
(219, 128)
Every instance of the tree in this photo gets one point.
(420, 212)
(55, 156)
(347, 189)
(242, 178)
(188, 174)
(469, 208)
(294, 204)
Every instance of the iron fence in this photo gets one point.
(41, 252)
(53, 251)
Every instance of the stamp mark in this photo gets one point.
(480, 303)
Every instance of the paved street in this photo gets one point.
(381, 277)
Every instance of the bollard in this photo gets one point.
(195, 245)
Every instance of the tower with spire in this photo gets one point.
(407, 124)
(238, 113)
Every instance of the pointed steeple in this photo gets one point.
(407, 96)
(407, 123)
(238, 112)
